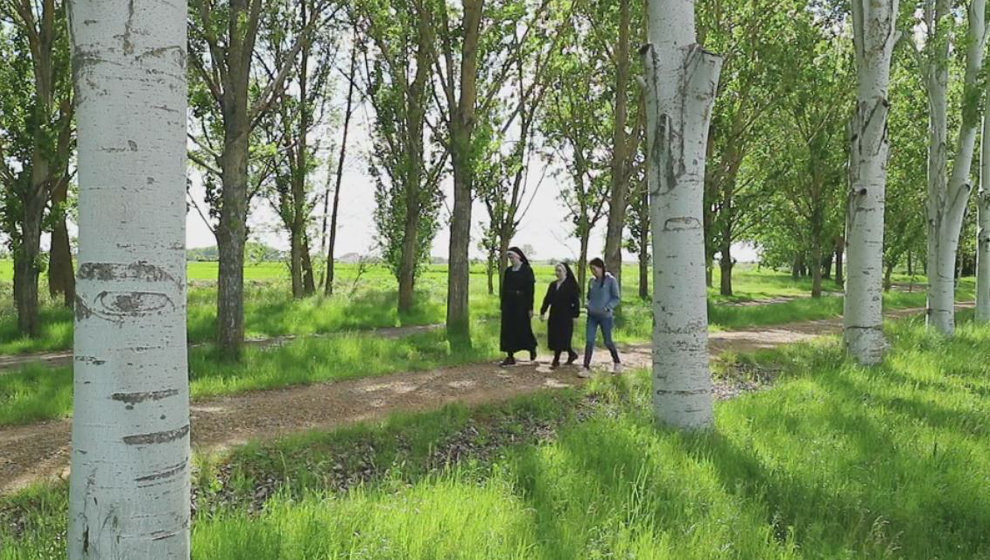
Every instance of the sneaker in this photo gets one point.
(584, 373)
(616, 368)
(510, 361)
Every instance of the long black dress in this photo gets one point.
(564, 303)
(517, 302)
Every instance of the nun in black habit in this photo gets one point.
(563, 301)
(518, 285)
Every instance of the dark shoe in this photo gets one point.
(532, 355)
(510, 361)
(555, 364)
(572, 357)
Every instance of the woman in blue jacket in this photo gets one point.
(603, 297)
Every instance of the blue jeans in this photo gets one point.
(595, 321)
(591, 332)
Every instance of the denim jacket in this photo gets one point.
(603, 295)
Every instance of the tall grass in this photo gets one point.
(835, 461)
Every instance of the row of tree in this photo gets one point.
(479, 93)
(130, 472)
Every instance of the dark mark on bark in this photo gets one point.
(140, 270)
(157, 437)
(165, 473)
(682, 223)
(134, 398)
(131, 304)
(82, 311)
(89, 360)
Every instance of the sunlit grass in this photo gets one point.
(834, 461)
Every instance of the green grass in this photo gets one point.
(35, 393)
(366, 299)
(835, 461)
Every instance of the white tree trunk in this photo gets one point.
(947, 200)
(129, 490)
(874, 37)
(983, 227)
(681, 80)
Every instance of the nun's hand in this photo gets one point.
(530, 313)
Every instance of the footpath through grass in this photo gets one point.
(834, 461)
(35, 392)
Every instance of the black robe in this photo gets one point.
(517, 302)
(564, 303)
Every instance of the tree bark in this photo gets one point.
(983, 225)
(415, 124)
(839, 251)
(948, 199)
(681, 83)
(620, 148)
(130, 482)
(328, 287)
(875, 33)
(725, 266)
(462, 124)
(231, 239)
(232, 230)
(61, 275)
(816, 268)
(26, 270)
(644, 255)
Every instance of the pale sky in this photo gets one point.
(544, 227)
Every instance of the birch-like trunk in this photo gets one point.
(874, 35)
(681, 80)
(983, 226)
(129, 490)
(947, 199)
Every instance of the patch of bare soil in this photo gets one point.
(41, 451)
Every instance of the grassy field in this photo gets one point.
(833, 461)
(366, 298)
(35, 392)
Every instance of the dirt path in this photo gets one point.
(41, 451)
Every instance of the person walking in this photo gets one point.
(603, 297)
(563, 301)
(518, 285)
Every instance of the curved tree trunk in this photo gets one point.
(348, 111)
(681, 80)
(948, 199)
(130, 482)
